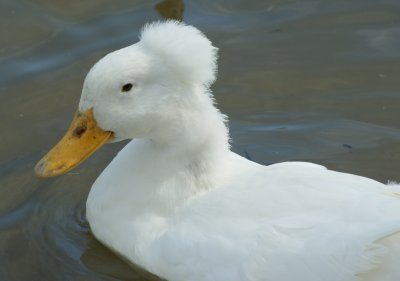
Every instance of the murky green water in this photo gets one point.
(300, 80)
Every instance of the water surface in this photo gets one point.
(300, 80)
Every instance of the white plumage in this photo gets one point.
(179, 203)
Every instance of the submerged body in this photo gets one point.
(179, 203)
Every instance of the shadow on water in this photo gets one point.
(300, 80)
(171, 9)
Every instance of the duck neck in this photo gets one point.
(197, 133)
(159, 175)
(161, 172)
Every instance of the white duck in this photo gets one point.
(179, 203)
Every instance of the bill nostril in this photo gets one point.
(79, 131)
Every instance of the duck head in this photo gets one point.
(136, 92)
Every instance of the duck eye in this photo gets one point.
(127, 87)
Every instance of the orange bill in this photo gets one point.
(82, 139)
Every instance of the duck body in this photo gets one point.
(178, 202)
(287, 221)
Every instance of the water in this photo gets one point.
(300, 80)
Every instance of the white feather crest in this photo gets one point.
(184, 49)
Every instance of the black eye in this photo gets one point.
(127, 87)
